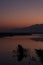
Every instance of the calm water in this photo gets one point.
(7, 45)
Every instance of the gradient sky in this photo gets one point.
(20, 13)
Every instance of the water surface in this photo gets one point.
(8, 44)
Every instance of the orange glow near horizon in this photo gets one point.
(21, 22)
(16, 14)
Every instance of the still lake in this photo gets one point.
(31, 43)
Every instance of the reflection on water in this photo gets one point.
(37, 39)
(21, 50)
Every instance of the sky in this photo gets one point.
(20, 13)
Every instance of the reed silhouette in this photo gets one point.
(40, 54)
(20, 52)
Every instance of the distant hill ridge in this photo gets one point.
(33, 28)
(30, 29)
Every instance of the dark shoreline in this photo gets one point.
(13, 34)
(16, 34)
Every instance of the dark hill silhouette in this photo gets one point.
(34, 29)
(37, 28)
